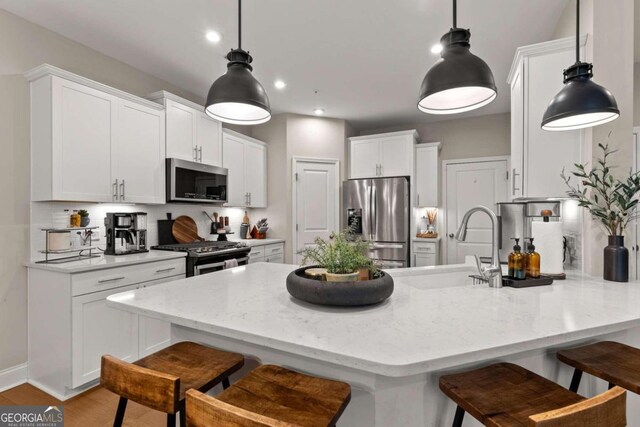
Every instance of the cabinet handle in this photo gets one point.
(115, 279)
(164, 270)
(377, 170)
(195, 153)
(418, 201)
(122, 190)
(249, 198)
(115, 190)
(513, 182)
(200, 153)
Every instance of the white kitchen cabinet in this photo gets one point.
(426, 252)
(138, 155)
(537, 156)
(246, 161)
(273, 253)
(84, 134)
(70, 325)
(383, 155)
(427, 181)
(191, 134)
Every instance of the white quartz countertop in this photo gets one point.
(435, 319)
(107, 261)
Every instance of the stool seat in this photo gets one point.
(197, 366)
(614, 362)
(271, 396)
(505, 394)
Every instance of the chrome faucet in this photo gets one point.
(493, 273)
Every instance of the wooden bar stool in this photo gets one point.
(160, 380)
(271, 396)
(617, 363)
(507, 395)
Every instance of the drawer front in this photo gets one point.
(424, 247)
(276, 249)
(256, 251)
(278, 259)
(425, 260)
(102, 280)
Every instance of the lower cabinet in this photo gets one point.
(267, 253)
(426, 254)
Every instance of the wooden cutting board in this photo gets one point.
(185, 230)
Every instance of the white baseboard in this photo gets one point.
(66, 396)
(13, 377)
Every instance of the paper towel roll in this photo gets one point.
(547, 238)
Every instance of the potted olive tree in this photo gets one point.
(343, 257)
(612, 203)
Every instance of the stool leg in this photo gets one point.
(122, 406)
(225, 383)
(611, 385)
(575, 381)
(171, 420)
(457, 420)
(183, 415)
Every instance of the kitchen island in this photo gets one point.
(392, 354)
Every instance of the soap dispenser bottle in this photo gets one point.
(533, 261)
(517, 262)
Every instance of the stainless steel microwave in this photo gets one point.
(195, 182)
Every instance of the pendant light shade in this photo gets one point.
(581, 103)
(237, 97)
(459, 81)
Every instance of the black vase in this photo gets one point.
(616, 260)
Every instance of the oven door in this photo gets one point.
(214, 266)
(195, 182)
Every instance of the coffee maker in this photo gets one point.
(126, 233)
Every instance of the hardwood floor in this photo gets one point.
(95, 407)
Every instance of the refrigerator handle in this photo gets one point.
(374, 213)
(369, 212)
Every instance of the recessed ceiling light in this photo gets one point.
(436, 48)
(279, 84)
(214, 37)
(318, 111)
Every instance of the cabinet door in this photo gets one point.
(98, 329)
(364, 158)
(546, 153)
(82, 120)
(138, 154)
(424, 260)
(255, 177)
(517, 135)
(427, 183)
(181, 131)
(153, 334)
(396, 156)
(233, 160)
(276, 259)
(209, 140)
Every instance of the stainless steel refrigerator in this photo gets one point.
(378, 208)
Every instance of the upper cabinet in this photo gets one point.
(383, 155)
(427, 175)
(191, 134)
(246, 160)
(93, 143)
(538, 156)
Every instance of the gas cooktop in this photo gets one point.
(206, 247)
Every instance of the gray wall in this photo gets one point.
(23, 46)
(483, 136)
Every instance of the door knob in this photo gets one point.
(451, 235)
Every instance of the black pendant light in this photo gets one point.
(459, 81)
(237, 97)
(581, 103)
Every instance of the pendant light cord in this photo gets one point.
(455, 13)
(577, 31)
(240, 24)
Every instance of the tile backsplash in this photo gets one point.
(52, 214)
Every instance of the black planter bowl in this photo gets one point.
(341, 294)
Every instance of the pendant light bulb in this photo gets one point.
(459, 81)
(581, 103)
(237, 97)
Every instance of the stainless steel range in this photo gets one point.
(209, 256)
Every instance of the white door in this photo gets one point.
(255, 166)
(83, 120)
(181, 131)
(316, 205)
(138, 153)
(99, 329)
(209, 140)
(364, 158)
(396, 156)
(233, 160)
(468, 185)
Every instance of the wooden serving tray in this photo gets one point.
(526, 283)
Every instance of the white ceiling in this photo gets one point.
(366, 58)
